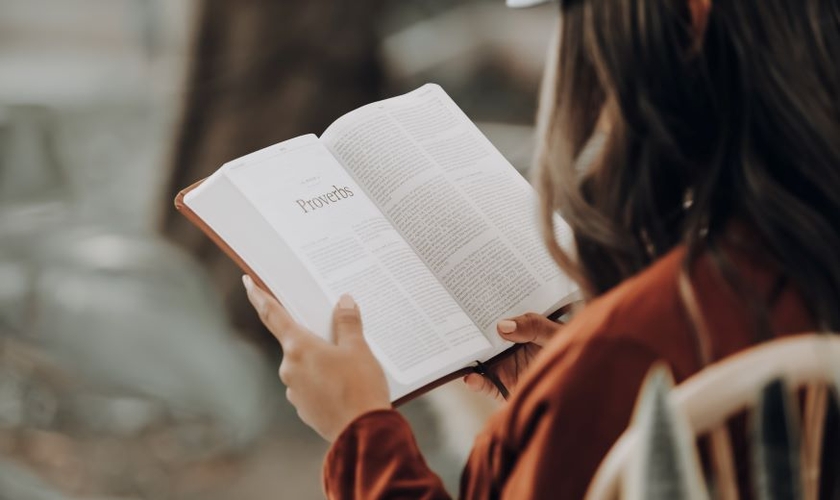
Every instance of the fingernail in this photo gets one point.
(471, 383)
(507, 326)
(346, 302)
(248, 282)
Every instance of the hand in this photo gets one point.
(531, 329)
(329, 384)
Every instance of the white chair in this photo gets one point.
(726, 388)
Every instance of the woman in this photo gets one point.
(714, 206)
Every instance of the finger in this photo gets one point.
(291, 396)
(529, 327)
(273, 315)
(285, 373)
(347, 322)
(477, 383)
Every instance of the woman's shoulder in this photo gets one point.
(577, 396)
(645, 310)
(605, 351)
(643, 320)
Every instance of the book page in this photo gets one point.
(413, 325)
(464, 209)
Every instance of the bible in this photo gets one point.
(406, 206)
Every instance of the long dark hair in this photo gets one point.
(736, 120)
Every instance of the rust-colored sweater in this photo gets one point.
(577, 397)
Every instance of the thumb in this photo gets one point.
(347, 322)
(530, 327)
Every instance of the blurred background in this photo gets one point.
(131, 366)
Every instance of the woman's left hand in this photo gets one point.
(329, 384)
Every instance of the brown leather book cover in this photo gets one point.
(198, 222)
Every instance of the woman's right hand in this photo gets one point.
(531, 329)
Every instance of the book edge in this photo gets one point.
(194, 219)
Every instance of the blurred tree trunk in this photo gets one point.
(264, 71)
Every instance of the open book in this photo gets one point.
(405, 205)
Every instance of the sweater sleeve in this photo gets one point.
(376, 456)
(552, 440)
